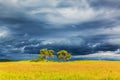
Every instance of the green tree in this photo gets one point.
(63, 55)
(45, 54)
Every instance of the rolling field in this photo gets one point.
(76, 70)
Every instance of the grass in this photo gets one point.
(75, 70)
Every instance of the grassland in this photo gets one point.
(76, 70)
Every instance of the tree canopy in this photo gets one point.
(63, 55)
(45, 54)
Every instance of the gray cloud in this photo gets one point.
(54, 12)
(68, 22)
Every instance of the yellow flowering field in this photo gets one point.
(74, 70)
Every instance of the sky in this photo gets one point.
(83, 27)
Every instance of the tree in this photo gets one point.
(45, 54)
(63, 55)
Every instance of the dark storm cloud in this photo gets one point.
(106, 3)
(91, 23)
(53, 17)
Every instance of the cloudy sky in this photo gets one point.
(84, 25)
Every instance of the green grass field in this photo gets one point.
(76, 70)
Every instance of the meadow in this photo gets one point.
(74, 70)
